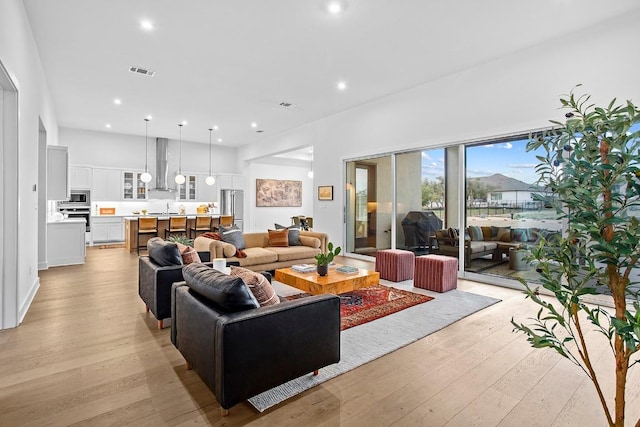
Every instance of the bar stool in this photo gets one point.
(226, 220)
(177, 224)
(203, 224)
(147, 226)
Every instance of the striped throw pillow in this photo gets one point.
(258, 285)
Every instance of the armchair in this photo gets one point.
(244, 351)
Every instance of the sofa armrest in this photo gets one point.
(216, 248)
(323, 237)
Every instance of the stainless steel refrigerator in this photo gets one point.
(232, 203)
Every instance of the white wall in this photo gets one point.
(511, 95)
(108, 149)
(19, 56)
(263, 218)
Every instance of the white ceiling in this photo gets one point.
(230, 63)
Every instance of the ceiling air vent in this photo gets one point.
(286, 104)
(259, 131)
(142, 71)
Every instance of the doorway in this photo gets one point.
(8, 201)
(368, 199)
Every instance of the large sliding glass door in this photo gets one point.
(503, 219)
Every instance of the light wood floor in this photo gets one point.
(88, 354)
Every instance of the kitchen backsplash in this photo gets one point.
(152, 206)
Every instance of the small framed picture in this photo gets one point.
(325, 192)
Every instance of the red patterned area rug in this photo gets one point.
(371, 303)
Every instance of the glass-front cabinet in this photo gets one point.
(187, 191)
(133, 187)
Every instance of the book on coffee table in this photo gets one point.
(345, 269)
(304, 268)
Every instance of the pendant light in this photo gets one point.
(210, 179)
(146, 176)
(180, 179)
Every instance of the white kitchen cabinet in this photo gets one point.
(205, 192)
(188, 190)
(80, 177)
(133, 188)
(107, 229)
(57, 172)
(230, 182)
(106, 184)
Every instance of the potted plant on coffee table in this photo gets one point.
(323, 260)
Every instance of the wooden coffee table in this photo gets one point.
(332, 283)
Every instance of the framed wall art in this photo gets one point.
(325, 192)
(277, 192)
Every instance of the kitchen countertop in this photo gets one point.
(164, 216)
(68, 221)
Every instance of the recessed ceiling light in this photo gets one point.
(149, 117)
(108, 126)
(219, 139)
(146, 24)
(117, 101)
(336, 7)
(184, 122)
(215, 127)
(254, 124)
(341, 85)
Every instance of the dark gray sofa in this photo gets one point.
(239, 354)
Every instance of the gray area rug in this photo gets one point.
(367, 342)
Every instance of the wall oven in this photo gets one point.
(78, 206)
(78, 213)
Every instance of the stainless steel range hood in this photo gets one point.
(162, 189)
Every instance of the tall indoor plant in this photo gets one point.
(592, 170)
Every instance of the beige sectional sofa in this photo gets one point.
(262, 257)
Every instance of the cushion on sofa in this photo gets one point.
(475, 232)
(520, 235)
(163, 253)
(294, 234)
(312, 242)
(486, 232)
(188, 254)
(258, 285)
(503, 234)
(279, 238)
(257, 256)
(293, 253)
(229, 293)
(233, 236)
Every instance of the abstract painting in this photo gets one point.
(277, 192)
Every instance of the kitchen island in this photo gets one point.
(131, 228)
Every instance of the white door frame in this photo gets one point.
(8, 200)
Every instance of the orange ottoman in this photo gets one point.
(395, 264)
(437, 273)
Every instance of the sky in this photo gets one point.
(509, 158)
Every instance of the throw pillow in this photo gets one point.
(188, 254)
(279, 238)
(258, 285)
(163, 253)
(233, 235)
(520, 235)
(294, 234)
(503, 234)
(475, 232)
(229, 293)
(453, 233)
